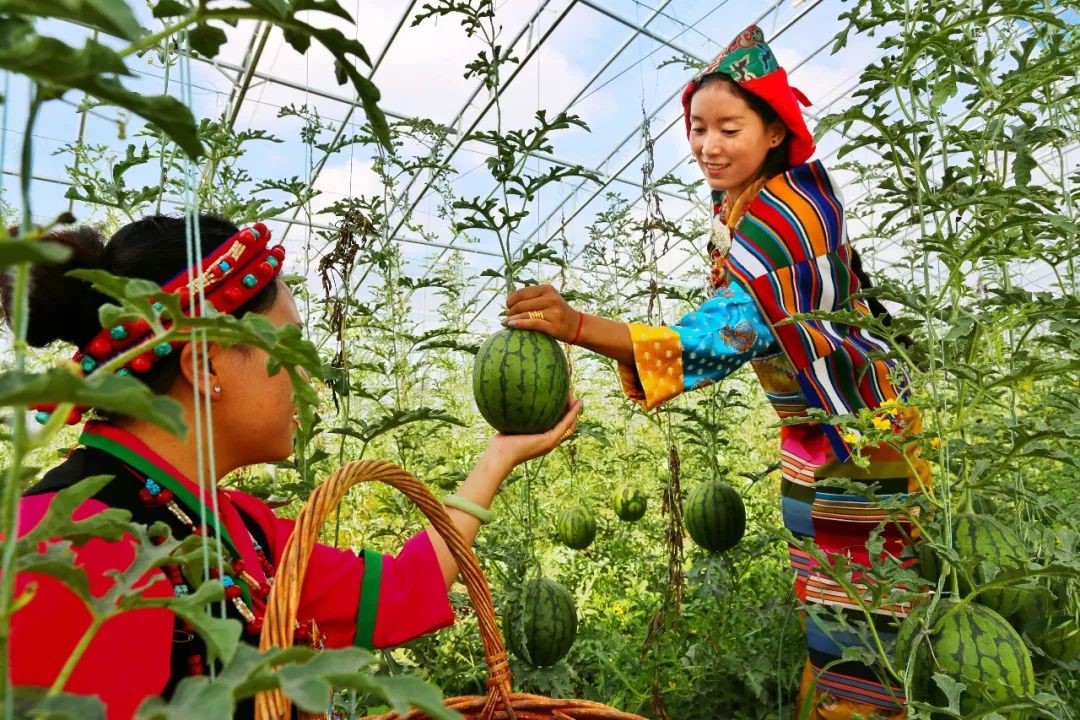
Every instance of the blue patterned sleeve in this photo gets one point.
(725, 332)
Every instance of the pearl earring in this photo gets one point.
(217, 388)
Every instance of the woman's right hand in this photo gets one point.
(516, 449)
(556, 318)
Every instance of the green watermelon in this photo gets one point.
(1055, 633)
(979, 539)
(715, 516)
(971, 644)
(576, 527)
(629, 504)
(541, 625)
(521, 381)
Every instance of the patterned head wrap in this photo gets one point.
(751, 65)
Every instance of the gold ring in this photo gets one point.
(536, 314)
(567, 435)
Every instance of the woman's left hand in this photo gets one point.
(516, 449)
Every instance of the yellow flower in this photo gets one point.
(936, 442)
(850, 438)
(881, 423)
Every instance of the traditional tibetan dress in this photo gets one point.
(366, 599)
(788, 254)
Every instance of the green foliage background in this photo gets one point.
(971, 110)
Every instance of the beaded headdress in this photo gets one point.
(227, 278)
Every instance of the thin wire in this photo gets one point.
(206, 471)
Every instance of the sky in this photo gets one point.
(420, 74)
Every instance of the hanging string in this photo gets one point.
(4, 133)
(206, 471)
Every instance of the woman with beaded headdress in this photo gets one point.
(779, 250)
(366, 599)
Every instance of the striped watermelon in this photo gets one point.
(629, 504)
(979, 538)
(1054, 632)
(540, 626)
(576, 527)
(970, 644)
(521, 382)
(715, 516)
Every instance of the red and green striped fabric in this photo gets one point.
(790, 252)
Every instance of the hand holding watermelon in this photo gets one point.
(543, 309)
(516, 449)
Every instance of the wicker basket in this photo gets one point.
(280, 620)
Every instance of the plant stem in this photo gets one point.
(9, 510)
(76, 654)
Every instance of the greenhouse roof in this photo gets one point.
(618, 64)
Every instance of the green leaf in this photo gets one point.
(109, 524)
(206, 40)
(195, 697)
(113, 17)
(56, 560)
(92, 70)
(30, 702)
(326, 6)
(15, 252)
(222, 635)
(124, 395)
(170, 8)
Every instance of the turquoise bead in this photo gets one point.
(123, 372)
(88, 363)
(41, 416)
(272, 261)
(158, 307)
(224, 266)
(118, 333)
(162, 349)
(249, 280)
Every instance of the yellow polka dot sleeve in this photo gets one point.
(657, 374)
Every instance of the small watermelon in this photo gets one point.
(521, 381)
(971, 644)
(541, 625)
(715, 516)
(576, 527)
(981, 538)
(1056, 634)
(629, 504)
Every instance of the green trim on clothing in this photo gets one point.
(368, 608)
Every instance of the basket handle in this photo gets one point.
(284, 600)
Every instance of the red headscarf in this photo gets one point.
(751, 65)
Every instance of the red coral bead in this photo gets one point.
(143, 363)
(165, 496)
(145, 496)
(265, 271)
(232, 592)
(278, 251)
(73, 417)
(99, 347)
(255, 626)
(233, 295)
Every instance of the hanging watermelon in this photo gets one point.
(541, 625)
(576, 527)
(521, 381)
(629, 504)
(715, 516)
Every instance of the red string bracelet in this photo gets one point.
(580, 324)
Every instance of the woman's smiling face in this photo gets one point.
(728, 138)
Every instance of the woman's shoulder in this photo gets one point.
(809, 176)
